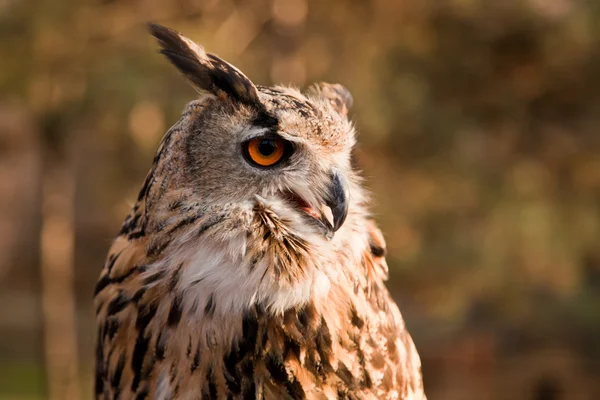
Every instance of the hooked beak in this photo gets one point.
(337, 200)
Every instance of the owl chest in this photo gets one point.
(171, 346)
(292, 356)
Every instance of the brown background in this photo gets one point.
(479, 136)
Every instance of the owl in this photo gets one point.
(249, 267)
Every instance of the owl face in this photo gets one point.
(266, 145)
(297, 154)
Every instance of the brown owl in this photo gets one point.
(249, 267)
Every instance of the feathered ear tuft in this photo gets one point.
(206, 72)
(338, 96)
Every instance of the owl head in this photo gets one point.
(254, 184)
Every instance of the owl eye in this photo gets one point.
(266, 151)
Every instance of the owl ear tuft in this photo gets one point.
(338, 96)
(206, 72)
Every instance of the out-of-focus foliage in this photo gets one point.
(479, 135)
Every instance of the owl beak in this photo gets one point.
(331, 214)
(337, 199)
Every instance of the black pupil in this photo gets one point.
(267, 147)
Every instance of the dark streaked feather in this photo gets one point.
(206, 72)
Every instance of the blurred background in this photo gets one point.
(479, 137)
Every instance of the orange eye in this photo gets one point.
(265, 152)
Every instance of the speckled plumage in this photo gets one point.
(219, 287)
